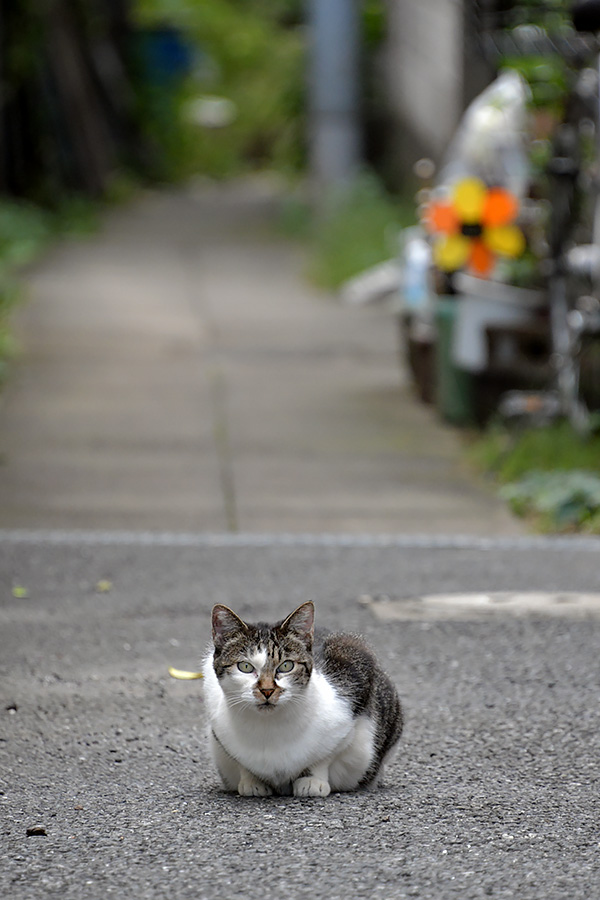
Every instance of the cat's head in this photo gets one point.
(263, 666)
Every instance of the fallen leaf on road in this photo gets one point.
(184, 676)
(104, 586)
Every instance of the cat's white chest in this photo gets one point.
(278, 744)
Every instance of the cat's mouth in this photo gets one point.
(266, 705)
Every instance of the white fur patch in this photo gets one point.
(313, 727)
(258, 660)
(349, 766)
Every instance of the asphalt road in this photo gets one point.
(494, 792)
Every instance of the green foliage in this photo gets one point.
(25, 231)
(550, 475)
(548, 75)
(9, 294)
(559, 501)
(547, 78)
(250, 54)
(374, 22)
(360, 230)
(509, 455)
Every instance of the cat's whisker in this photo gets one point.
(294, 700)
(237, 701)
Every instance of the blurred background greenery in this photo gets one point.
(240, 103)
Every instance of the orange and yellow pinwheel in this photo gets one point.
(474, 226)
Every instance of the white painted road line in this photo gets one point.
(249, 540)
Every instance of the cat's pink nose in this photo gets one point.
(266, 692)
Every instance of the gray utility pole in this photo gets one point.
(334, 92)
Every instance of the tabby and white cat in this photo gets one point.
(290, 714)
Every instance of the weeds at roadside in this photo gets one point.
(356, 228)
(26, 230)
(549, 476)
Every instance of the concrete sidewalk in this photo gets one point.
(179, 373)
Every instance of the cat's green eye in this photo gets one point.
(285, 667)
(245, 667)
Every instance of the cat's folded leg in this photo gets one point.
(227, 767)
(251, 786)
(314, 782)
(233, 775)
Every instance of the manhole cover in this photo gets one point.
(476, 605)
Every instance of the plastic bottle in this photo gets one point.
(416, 262)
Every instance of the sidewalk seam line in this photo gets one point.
(218, 391)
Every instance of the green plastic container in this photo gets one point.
(454, 387)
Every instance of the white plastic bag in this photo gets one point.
(491, 140)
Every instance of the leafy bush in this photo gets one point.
(509, 455)
(550, 475)
(559, 501)
(251, 55)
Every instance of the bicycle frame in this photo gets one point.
(571, 321)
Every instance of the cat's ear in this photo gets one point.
(301, 622)
(225, 624)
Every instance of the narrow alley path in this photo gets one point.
(180, 373)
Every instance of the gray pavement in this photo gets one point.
(494, 792)
(179, 373)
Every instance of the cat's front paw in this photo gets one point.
(311, 787)
(249, 786)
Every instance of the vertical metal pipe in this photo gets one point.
(334, 92)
